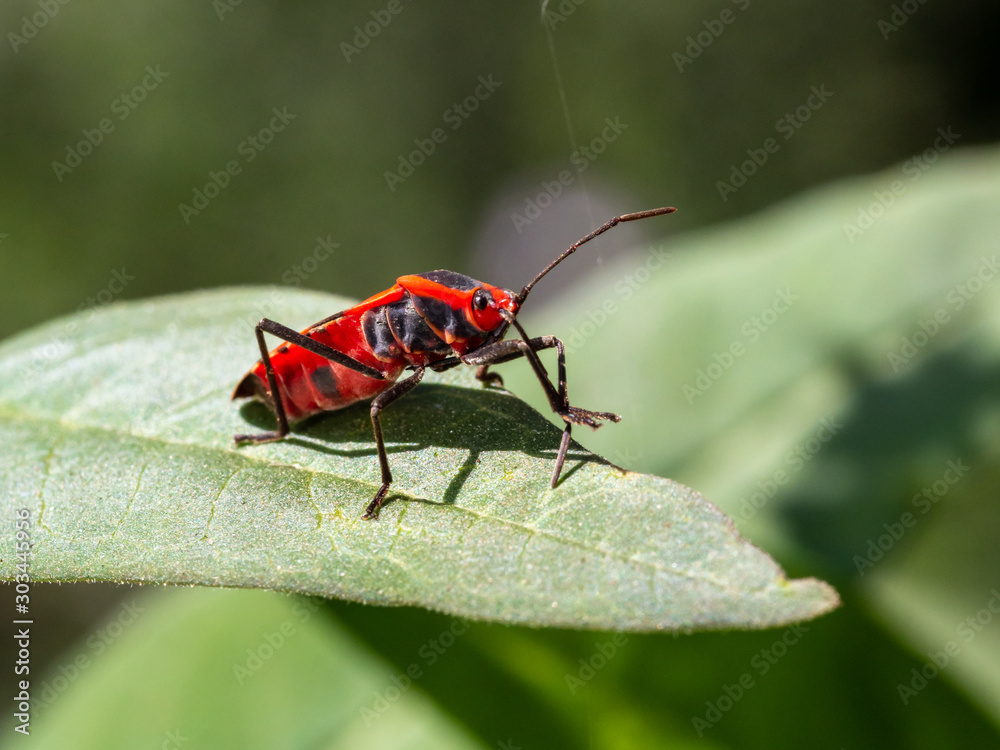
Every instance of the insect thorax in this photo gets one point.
(396, 329)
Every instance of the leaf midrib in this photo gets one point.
(12, 414)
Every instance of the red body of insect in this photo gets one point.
(435, 320)
(422, 320)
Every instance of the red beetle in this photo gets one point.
(437, 319)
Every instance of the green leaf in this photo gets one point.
(934, 582)
(584, 690)
(119, 428)
(232, 669)
(894, 340)
(824, 405)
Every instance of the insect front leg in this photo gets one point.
(293, 337)
(378, 404)
(483, 375)
(558, 397)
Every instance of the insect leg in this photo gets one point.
(378, 404)
(570, 414)
(276, 399)
(483, 375)
(294, 337)
(506, 351)
(316, 347)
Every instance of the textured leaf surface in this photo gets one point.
(117, 429)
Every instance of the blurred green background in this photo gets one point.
(115, 115)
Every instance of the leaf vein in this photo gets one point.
(693, 575)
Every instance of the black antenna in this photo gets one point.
(600, 230)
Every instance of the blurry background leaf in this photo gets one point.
(874, 393)
(195, 669)
(828, 386)
(358, 115)
(940, 590)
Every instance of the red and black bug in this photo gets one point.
(439, 320)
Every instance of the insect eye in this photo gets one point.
(481, 299)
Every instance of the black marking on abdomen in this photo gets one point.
(326, 384)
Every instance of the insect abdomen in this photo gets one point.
(310, 383)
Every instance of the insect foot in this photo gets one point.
(575, 415)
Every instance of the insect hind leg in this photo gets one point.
(274, 396)
(276, 401)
